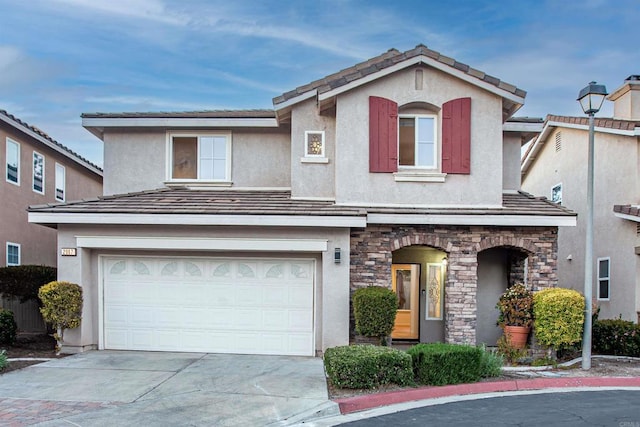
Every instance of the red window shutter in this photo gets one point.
(456, 136)
(383, 135)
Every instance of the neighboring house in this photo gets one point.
(556, 165)
(247, 231)
(37, 170)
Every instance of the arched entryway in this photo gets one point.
(419, 277)
(498, 268)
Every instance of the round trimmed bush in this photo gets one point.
(559, 316)
(61, 305)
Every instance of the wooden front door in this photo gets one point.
(405, 281)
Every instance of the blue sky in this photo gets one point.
(60, 58)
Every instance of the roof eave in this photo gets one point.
(22, 128)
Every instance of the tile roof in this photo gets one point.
(205, 202)
(519, 203)
(604, 122)
(388, 59)
(42, 134)
(236, 202)
(211, 114)
(630, 210)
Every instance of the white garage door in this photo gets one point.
(216, 305)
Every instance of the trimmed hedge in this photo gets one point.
(617, 337)
(491, 364)
(559, 316)
(24, 281)
(441, 364)
(8, 327)
(3, 359)
(374, 310)
(367, 366)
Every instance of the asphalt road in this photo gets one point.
(616, 408)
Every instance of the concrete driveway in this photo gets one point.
(148, 388)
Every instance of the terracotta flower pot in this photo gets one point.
(517, 335)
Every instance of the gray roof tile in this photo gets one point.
(388, 59)
(234, 202)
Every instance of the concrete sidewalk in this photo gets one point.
(147, 388)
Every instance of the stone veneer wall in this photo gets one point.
(371, 259)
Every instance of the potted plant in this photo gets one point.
(516, 314)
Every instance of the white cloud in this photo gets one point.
(152, 10)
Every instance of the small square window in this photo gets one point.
(13, 254)
(314, 144)
(556, 193)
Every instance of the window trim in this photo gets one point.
(17, 245)
(607, 278)
(33, 173)
(559, 201)
(169, 168)
(6, 162)
(64, 182)
(323, 153)
(436, 165)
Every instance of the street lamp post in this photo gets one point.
(591, 99)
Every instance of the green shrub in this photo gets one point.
(3, 359)
(440, 364)
(491, 364)
(61, 306)
(374, 309)
(367, 366)
(516, 307)
(617, 337)
(24, 281)
(559, 316)
(508, 352)
(8, 327)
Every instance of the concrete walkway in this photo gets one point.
(146, 388)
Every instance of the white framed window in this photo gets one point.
(556, 193)
(60, 182)
(604, 278)
(314, 144)
(13, 162)
(38, 173)
(13, 254)
(417, 141)
(203, 157)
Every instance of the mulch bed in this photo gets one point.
(29, 346)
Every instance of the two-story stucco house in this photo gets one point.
(555, 166)
(247, 231)
(37, 170)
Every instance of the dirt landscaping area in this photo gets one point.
(38, 346)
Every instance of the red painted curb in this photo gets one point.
(361, 403)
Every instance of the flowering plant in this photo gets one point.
(516, 307)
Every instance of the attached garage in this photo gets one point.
(216, 305)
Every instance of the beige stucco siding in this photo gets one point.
(354, 182)
(511, 158)
(134, 161)
(331, 306)
(137, 161)
(261, 159)
(616, 182)
(310, 179)
(37, 243)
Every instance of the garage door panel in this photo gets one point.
(208, 305)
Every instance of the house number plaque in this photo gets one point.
(68, 252)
